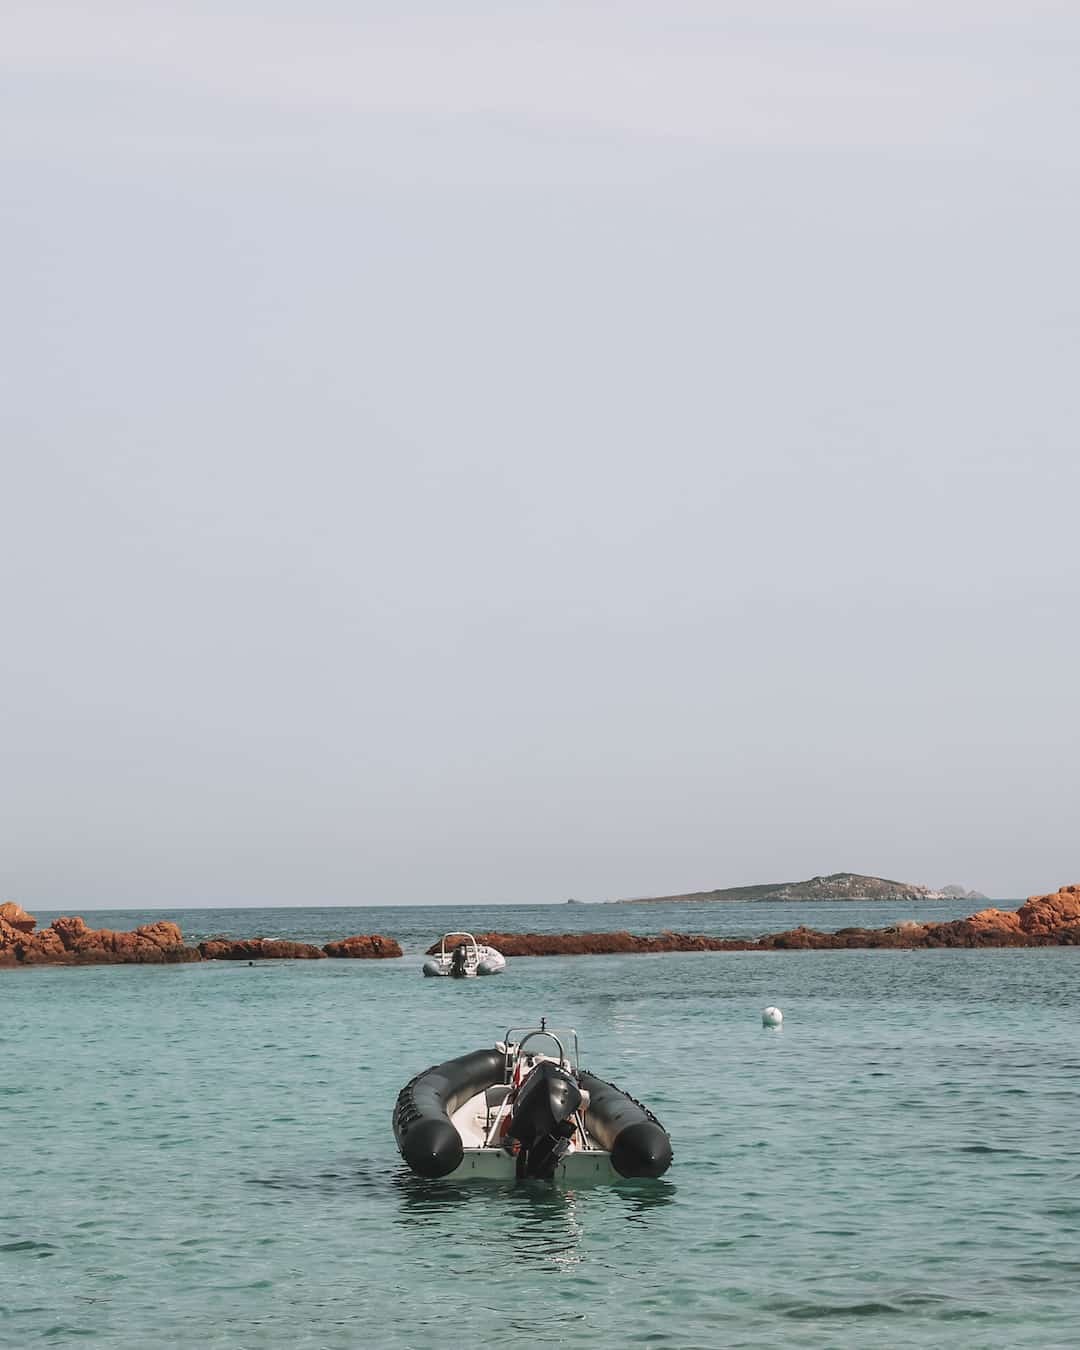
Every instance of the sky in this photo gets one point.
(496, 453)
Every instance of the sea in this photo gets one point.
(202, 1155)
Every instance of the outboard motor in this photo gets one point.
(458, 960)
(543, 1119)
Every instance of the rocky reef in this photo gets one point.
(1042, 921)
(258, 949)
(592, 944)
(70, 942)
(359, 948)
(16, 917)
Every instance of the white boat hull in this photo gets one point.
(483, 1161)
(479, 960)
(495, 1164)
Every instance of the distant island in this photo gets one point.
(837, 886)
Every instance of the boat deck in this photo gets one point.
(583, 1161)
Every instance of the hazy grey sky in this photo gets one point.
(515, 452)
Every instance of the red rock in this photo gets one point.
(17, 917)
(1044, 920)
(153, 942)
(1047, 914)
(258, 949)
(991, 923)
(361, 948)
(70, 929)
(10, 941)
(68, 941)
(47, 948)
(594, 944)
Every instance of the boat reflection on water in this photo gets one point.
(529, 1220)
(638, 1199)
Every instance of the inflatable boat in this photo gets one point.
(465, 958)
(525, 1108)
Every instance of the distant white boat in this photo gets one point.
(464, 958)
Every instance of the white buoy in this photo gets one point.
(771, 1017)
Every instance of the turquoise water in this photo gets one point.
(202, 1155)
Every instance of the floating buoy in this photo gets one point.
(771, 1017)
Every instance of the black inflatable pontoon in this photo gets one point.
(514, 1111)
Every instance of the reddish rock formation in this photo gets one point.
(594, 944)
(17, 917)
(68, 941)
(1050, 913)
(10, 940)
(361, 948)
(258, 949)
(1043, 921)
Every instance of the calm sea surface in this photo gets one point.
(201, 1155)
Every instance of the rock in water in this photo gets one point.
(17, 917)
(68, 941)
(258, 949)
(1043, 921)
(362, 948)
(1049, 914)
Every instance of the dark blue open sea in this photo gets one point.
(201, 1155)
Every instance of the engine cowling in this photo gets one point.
(542, 1120)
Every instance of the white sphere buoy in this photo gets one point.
(771, 1017)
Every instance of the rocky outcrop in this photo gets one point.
(1043, 921)
(1048, 914)
(258, 949)
(17, 917)
(361, 948)
(591, 944)
(623, 943)
(10, 940)
(68, 941)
